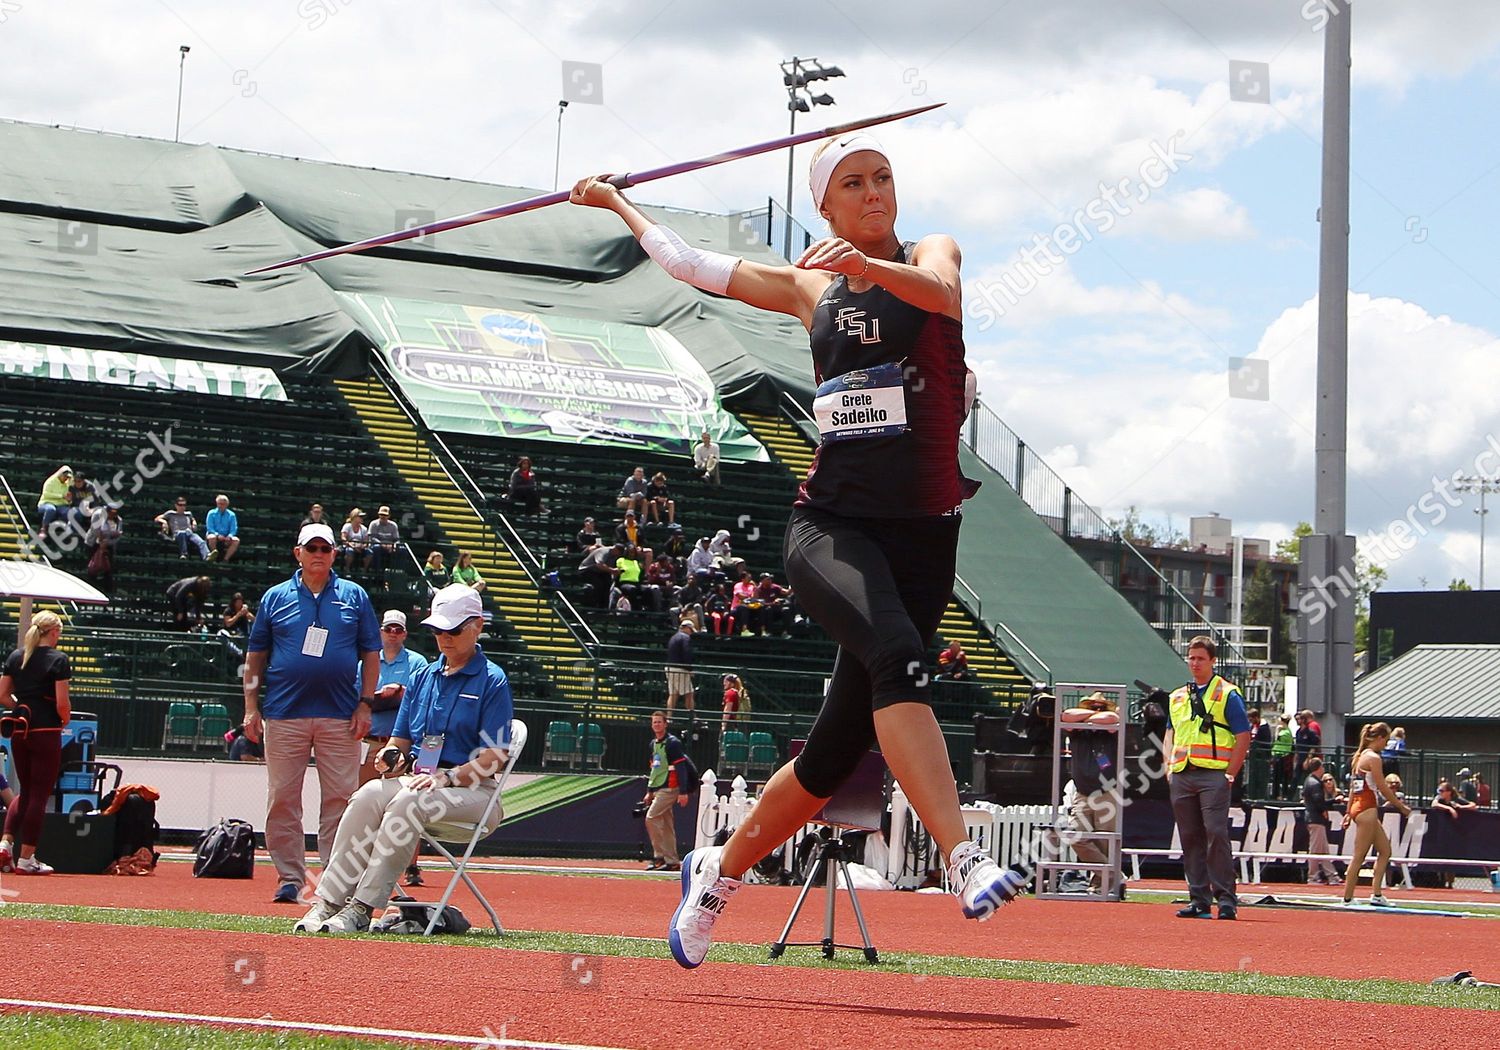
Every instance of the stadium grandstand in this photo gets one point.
(134, 349)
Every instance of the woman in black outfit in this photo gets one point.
(34, 686)
(870, 549)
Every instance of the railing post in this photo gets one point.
(1067, 512)
(1020, 467)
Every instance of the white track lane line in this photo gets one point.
(481, 1040)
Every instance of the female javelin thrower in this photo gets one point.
(1366, 776)
(871, 544)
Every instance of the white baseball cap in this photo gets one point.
(315, 532)
(452, 605)
(393, 616)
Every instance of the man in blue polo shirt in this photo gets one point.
(310, 635)
(450, 740)
(223, 528)
(398, 666)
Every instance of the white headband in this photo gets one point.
(822, 169)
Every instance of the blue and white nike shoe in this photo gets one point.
(980, 884)
(705, 894)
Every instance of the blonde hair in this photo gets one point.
(42, 623)
(352, 513)
(1371, 732)
(435, 556)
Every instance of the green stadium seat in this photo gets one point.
(181, 726)
(763, 754)
(593, 744)
(213, 723)
(561, 744)
(734, 750)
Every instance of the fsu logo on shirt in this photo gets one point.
(851, 321)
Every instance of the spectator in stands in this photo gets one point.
(1281, 758)
(659, 499)
(587, 538)
(599, 569)
(1481, 791)
(701, 559)
(433, 572)
(718, 611)
(691, 597)
(1258, 763)
(1398, 740)
(465, 573)
(81, 503)
(1466, 786)
(629, 533)
(675, 545)
(34, 685)
(744, 606)
(314, 516)
(953, 662)
(103, 537)
(385, 538)
(706, 458)
(668, 781)
(179, 525)
(1395, 750)
(1394, 781)
(633, 493)
(243, 749)
(314, 632)
(662, 574)
(53, 502)
(522, 492)
(736, 701)
(354, 540)
(187, 597)
(238, 619)
(1319, 795)
(1449, 800)
(619, 604)
(1305, 741)
(724, 558)
(459, 707)
(775, 604)
(398, 666)
(680, 666)
(223, 528)
(632, 581)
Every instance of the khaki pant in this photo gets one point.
(380, 827)
(290, 743)
(1317, 846)
(662, 826)
(1098, 811)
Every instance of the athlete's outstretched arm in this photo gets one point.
(784, 289)
(930, 283)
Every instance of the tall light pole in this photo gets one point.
(795, 76)
(181, 64)
(1481, 484)
(562, 104)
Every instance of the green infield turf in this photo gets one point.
(50, 1031)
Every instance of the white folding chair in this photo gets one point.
(454, 830)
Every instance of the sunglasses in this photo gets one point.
(452, 630)
(393, 628)
(318, 548)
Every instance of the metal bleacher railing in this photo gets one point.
(1060, 508)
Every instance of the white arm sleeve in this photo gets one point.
(710, 271)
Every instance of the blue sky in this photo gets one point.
(1115, 366)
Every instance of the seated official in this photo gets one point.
(450, 740)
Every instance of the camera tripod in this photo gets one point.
(831, 856)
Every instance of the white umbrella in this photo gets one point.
(30, 580)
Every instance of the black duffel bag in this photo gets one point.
(226, 851)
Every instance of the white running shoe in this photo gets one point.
(317, 918)
(1379, 901)
(979, 883)
(705, 893)
(351, 918)
(32, 866)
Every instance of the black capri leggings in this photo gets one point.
(879, 587)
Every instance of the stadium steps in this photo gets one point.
(506, 582)
(89, 676)
(790, 447)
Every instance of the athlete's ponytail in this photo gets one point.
(42, 623)
(1371, 732)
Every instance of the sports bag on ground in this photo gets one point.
(413, 917)
(226, 851)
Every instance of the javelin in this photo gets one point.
(619, 181)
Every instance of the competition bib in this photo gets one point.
(1356, 784)
(868, 402)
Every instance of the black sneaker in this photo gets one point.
(1192, 911)
(413, 876)
(1228, 913)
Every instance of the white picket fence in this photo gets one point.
(1010, 834)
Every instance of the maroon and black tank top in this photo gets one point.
(890, 404)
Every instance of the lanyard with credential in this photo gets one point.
(431, 749)
(316, 638)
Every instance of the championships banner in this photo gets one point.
(503, 373)
(42, 361)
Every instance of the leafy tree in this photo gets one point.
(1138, 532)
(1459, 584)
